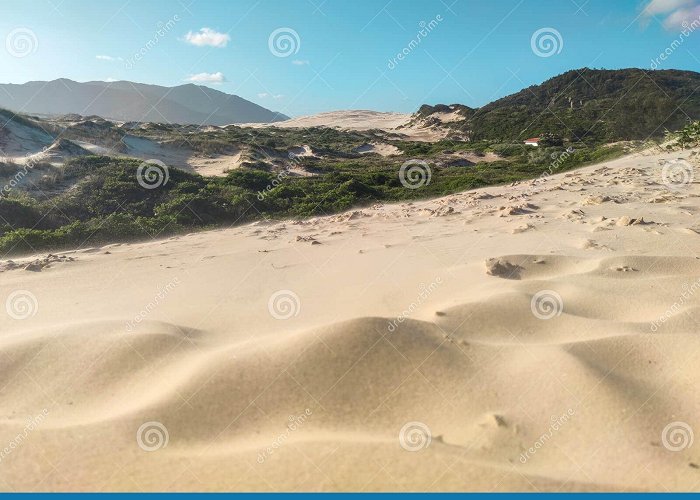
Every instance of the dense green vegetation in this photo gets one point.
(102, 200)
(594, 106)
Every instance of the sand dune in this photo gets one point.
(378, 148)
(344, 120)
(536, 337)
(363, 120)
(21, 139)
(181, 157)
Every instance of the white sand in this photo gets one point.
(362, 120)
(301, 151)
(380, 148)
(217, 165)
(344, 120)
(470, 362)
(19, 142)
(450, 117)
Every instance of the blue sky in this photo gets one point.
(475, 51)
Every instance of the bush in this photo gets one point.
(106, 202)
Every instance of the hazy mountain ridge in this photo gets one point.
(134, 102)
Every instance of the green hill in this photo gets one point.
(593, 106)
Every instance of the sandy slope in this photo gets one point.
(345, 120)
(19, 140)
(381, 149)
(182, 158)
(362, 120)
(394, 324)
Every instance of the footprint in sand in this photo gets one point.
(503, 269)
(594, 245)
(522, 229)
(628, 221)
(596, 200)
(523, 209)
(308, 239)
(625, 269)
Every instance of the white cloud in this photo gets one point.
(683, 18)
(265, 95)
(664, 6)
(299, 62)
(108, 58)
(208, 37)
(207, 78)
(678, 13)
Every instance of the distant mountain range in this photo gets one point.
(134, 102)
(586, 104)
